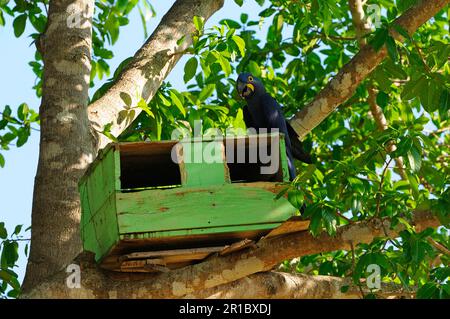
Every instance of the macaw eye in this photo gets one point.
(250, 78)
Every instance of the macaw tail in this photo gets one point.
(297, 147)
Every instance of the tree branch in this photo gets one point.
(277, 285)
(219, 270)
(151, 64)
(362, 28)
(344, 84)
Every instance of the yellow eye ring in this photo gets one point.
(250, 78)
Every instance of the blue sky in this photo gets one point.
(17, 177)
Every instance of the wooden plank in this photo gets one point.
(185, 258)
(236, 246)
(105, 230)
(292, 225)
(203, 164)
(152, 265)
(173, 252)
(194, 210)
(99, 228)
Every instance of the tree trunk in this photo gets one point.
(66, 147)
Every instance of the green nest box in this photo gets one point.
(188, 196)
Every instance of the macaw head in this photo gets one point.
(247, 85)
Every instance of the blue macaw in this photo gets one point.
(263, 111)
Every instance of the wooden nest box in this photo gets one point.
(150, 206)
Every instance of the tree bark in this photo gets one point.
(278, 285)
(150, 65)
(344, 84)
(362, 28)
(200, 280)
(66, 147)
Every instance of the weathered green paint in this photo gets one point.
(203, 163)
(205, 204)
(98, 192)
(227, 205)
(117, 170)
(199, 231)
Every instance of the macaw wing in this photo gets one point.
(248, 120)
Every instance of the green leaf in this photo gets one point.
(315, 225)
(112, 26)
(444, 101)
(402, 31)
(17, 229)
(206, 92)
(2, 161)
(126, 98)
(177, 102)
(379, 39)
(7, 277)
(296, 198)
(10, 253)
(22, 136)
(164, 100)
(244, 17)
(429, 96)
(123, 114)
(345, 288)
(267, 12)
(414, 184)
(19, 25)
(2, 18)
(414, 158)
(335, 134)
(382, 99)
(199, 23)
(107, 132)
(412, 88)
(39, 22)
(403, 5)
(190, 68)
(427, 291)
(392, 48)
(3, 231)
(329, 221)
(282, 193)
(224, 63)
(230, 23)
(22, 111)
(254, 68)
(181, 40)
(240, 43)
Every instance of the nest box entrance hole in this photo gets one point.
(148, 165)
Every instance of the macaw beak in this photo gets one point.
(245, 89)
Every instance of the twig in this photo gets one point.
(353, 268)
(439, 246)
(381, 186)
(343, 217)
